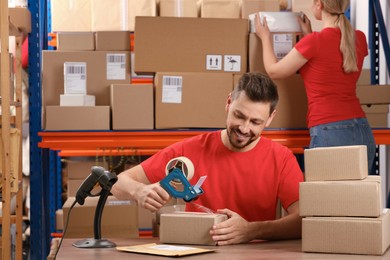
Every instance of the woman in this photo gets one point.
(329, 63)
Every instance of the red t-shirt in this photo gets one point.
(330, 91)
(248, 183)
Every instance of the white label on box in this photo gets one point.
(283, 43)
(75, 77)
(213, 62)
(116, 66)
(172, 89)
(232, 63)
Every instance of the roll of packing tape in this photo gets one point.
(184, 164)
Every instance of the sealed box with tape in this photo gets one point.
(188, 227)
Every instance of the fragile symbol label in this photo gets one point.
(232, 63)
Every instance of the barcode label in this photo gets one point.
(75, 70)
(116, 66)
(172, 87)
(116, 58)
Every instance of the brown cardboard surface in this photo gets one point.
(202, 100)
(132, 106)
(253, 6)
(80, 169)
(112, 40)
(76, 41)
(97, 75)
(306, 7)
(292, 106)
(20, 17)
(365, 77)
(188, 227)
(373, 94)
(71, 15)
(175, 8)
(336, 163)
(119, 219)
(220, 9)
(346, 235)
(172, 44)
(377, 115)
(360, 198)
(77, 118)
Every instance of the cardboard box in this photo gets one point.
(112, 40)
(77, 100)
(120, 15)
(361, 198)
(132, 106)
(77, 118)
(377, 115)
(104, 68)
(373, 94)
(344, 235)
(188, 227)
(119, 219)
(336, 163)
(166, 44)
(306, 7)
(145, 218)
(179, 8)
(282, 44)
(291, 110)
(80, 169)
(253, 6)
(181, 101)
(220, 9)
(20, 17)
(59, 219)
(365, 77)
(71, 16)
(75, 41)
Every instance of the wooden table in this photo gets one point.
(289, 249)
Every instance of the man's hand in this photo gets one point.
(235, 230)
(152, 196)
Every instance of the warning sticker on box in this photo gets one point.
(213, 62)
(232, 63)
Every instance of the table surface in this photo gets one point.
(289, 249)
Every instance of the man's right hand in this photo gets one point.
(151, 196)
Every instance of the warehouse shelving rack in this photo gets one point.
(48, 147)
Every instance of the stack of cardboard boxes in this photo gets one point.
(341, 205)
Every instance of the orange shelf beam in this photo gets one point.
(149, 142)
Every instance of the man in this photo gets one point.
(246, 173)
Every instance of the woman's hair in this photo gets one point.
(258, 88)
(348, 37)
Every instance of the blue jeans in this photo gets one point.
(355, 131)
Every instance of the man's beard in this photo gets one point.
(233, 141)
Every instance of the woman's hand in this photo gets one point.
(305, 24)
(262, 30)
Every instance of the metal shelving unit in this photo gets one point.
(45, 165)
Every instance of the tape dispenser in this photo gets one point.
(179, 171)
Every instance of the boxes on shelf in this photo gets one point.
(373, 94)
(354, 198)
(132, 106)
(77, 100)
(181, 101)
(77, 118)
(174, 8)
(253, 6)
(220, 8)
(112, 40)
(188, 227)
(75, 41)
(165, 44)
(377, 115)
(119, 15)
(69, 15)
(119, 219)
(336, 163)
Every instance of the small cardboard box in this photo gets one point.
(75, 41)
(112, 40)
(377, 115)
(165, 44)
(181, 101)
(175, 8)
(253, 6)
(220, 9)
(77, 118)
(71, 16)
(346, 235)
(132, 106)
(188, 227)
(119, 219)
(336, 163)
(360, 198)
(373, 94)
(80, 169)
